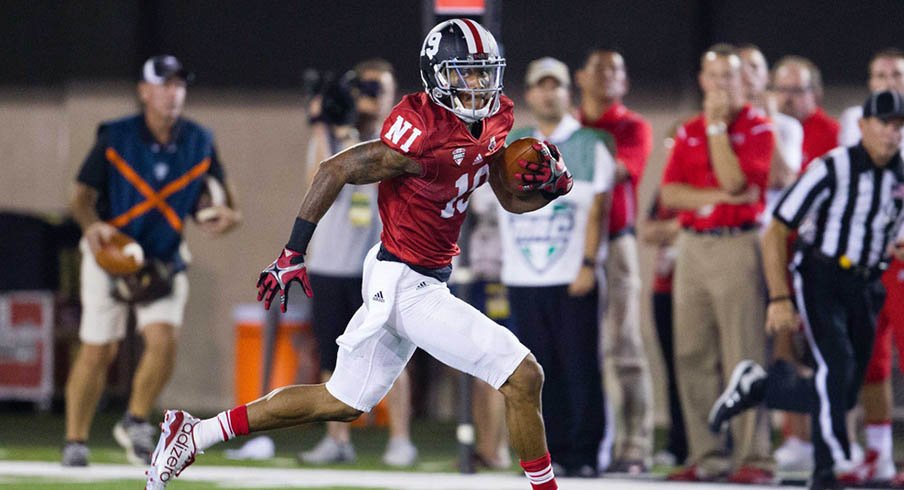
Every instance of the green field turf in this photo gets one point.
(33, 484)
(29, 436)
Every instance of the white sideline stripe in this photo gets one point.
(822, 372)
(246, 477)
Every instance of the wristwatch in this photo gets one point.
(716, 128)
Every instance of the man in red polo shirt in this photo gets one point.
(798, 83)
(603, 81)
(715, 178)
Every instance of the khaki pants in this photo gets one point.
(719, 310)
(627, 371)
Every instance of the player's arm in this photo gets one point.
(686, 196)
(364, 163)
(596, 233)
(83, 208)
(92, 176)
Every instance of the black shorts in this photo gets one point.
(336, 299)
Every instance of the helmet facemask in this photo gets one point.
(472, 86)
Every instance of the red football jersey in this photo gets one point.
(422, 214)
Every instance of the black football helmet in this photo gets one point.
(462, 70)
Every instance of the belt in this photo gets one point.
(628, 230)
(843, 264)
(724, 230)
(441, 274)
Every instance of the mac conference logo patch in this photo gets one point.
(543, 239)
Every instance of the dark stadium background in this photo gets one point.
(267, 44)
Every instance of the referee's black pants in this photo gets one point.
(562, 332)
(839, 312)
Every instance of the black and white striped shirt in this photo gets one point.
(846, 206)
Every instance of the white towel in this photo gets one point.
(381, 287)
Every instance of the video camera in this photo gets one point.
(338, 107)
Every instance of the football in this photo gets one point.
(521, 149)
(120, 256)
(213, 195)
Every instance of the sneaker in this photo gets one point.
(664, 458)
(898, 480)
(75, 454)
(847, 465)
(751, 475)
(137, 438)
(329, 451)
(873, 469)
(582, 471)
(175, 450)
(629, 467)
(739, 395)
(794, 456)
(400, 453)
(689, 473)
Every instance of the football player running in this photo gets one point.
(436, 147)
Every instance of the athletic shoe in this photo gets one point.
(329, 451)
(873, 469)
(400, 453)
(629, 467)
(898, 480)
(690, 473)
(794, 456)
(137, 438)
(75, 454)
(751, 475)
(582, 471)
(741, 393)
(175, 450)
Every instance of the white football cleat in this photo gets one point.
(794, 456)
(175, 450)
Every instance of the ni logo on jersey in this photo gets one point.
(398, 130)
(458, 155)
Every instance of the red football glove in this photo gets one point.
(278, 277)
(550, 176)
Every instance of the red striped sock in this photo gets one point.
(238, 419)
(225, 426)
(539, 473)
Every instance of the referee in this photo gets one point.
(847, 208)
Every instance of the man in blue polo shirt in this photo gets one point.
(145, 174)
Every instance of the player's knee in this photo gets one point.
(342, 412)
(98, 356)
(527, 380)
(345, 413)
(159, 338)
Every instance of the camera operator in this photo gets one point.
(346, 111)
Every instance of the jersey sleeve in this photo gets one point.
(405, 131)
(216, 169)
(674, 171)
(603, 169)
(755, 155)
(805, 195)
(790, 140)
(849, 134)
(93, 171)
(635, 147)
